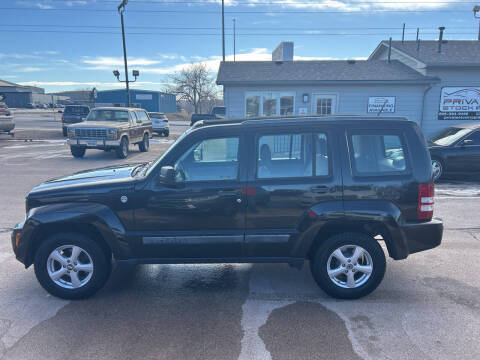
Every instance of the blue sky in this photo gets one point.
(65, 45)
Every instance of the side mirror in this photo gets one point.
(467, 142)
(168, 176)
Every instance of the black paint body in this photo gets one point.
(242, 220)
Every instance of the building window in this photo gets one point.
(253, 106)
(324, 104)
(269, 104)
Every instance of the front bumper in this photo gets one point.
(18, 245)
(93, 143)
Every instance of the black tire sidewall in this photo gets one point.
(145, 144)
(318, 265)
(119, 150)
(101, 265)
(77, 151)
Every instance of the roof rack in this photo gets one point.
(291, 119)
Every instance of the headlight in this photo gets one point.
(71, 132)
(112, 133)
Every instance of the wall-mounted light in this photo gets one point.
(305, 98)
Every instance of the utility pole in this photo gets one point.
(476, 15)
(403, 33)
(121, 9)
(223, 30)
(234, 40)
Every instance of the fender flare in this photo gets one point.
(65, 215)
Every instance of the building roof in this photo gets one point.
(7, 83)
(314, 72)
(454, 52)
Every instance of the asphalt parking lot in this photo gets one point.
(428, 306)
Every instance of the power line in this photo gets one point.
(247, 12)
(219, 33)
(249, 3)
(219, 28)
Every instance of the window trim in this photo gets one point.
(277, 95)
(198, 141)
(385, 132)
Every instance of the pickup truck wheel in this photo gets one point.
(64, 131)
(145, 144)
(349, 265)
(166, 133)
(71, 266)
(122, 150)
(77, 151)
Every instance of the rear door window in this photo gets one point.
(284, 156)
(378, 153)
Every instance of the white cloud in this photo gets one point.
(18, 56)
(28, 69)
(107, 63)
(98, 84)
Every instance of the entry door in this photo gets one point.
(291, 173)
(324, 104)
(203, 215)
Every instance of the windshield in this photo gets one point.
(448, 136)
(77, 110)
(170, 148)
(108, 115)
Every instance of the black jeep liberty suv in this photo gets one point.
(108, 128)
(285, 190)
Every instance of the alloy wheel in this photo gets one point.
(349, 266)
(437, 169)
(70, 266)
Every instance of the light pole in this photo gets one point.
(135, 74)
(223, 30)
(234, 45)
(121, 9)
(476, 14)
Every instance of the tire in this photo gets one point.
(166, 133)
(78, 151)
(437, 167)
(122, 150)
(145, 144)
(90, 257)
(64, 131)
(363, 283)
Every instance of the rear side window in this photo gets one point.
(284, 156)
(378, 154)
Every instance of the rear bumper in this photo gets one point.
(423, 236)
(160, 127)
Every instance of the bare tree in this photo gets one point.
(194, 85)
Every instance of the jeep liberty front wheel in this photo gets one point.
(122, 150)
(349, 265)
(71, 266)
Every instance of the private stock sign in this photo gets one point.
(459, 103)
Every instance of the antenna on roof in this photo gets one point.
(440, 38)
(383, 107)
(418, 33)
(403, 33)
(389, 49)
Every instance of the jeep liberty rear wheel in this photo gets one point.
(77, 151)
(349, 265)
(71, 266)
(145, 144)
(122, 150)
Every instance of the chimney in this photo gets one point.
(283, 52)
(440, 38)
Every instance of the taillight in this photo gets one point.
(426, 194)
(166, 120)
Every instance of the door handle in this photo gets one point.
(319, 189)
